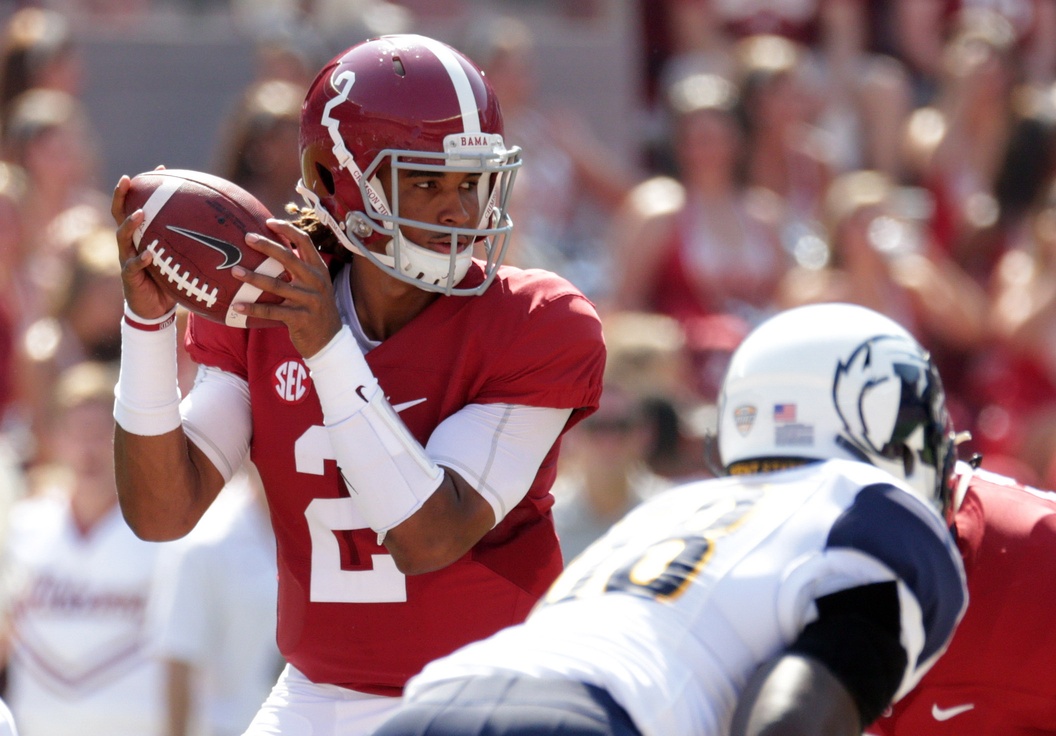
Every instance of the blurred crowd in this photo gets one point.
(893, 153)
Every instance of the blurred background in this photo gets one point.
(692, 165)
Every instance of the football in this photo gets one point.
(195, 224)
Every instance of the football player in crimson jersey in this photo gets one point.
(996, 677)
(799, 595)
(406, 416)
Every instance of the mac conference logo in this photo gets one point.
(744, 418)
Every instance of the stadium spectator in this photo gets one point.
(915, 31)
(82, 322)
(604, 471)
(786, 153)
(1015, 379)
(649, 357)
(212, 615)
(77, 581)
(862, 97)
(702, 247)
(700, 244)
(258, 147)
(37, 50)
(963, 147)
(51, 137)
(570, 184)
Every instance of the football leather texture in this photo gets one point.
(195, 224)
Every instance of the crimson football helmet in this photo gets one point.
(415, 104)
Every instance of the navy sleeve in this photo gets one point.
(888, 524)
(856, 636)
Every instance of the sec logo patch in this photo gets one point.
(291, 381)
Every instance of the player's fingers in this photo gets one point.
(310, 330)
(299, 239)
(313, 274)
(271, 284)
(125, 244)
(117, 204)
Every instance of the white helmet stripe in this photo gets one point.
(343, 83)
(467, 103)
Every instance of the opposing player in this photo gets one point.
(996, 677)
(406, 421)
(804, 593)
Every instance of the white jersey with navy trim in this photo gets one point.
(675, 607)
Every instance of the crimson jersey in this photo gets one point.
(997, 677)
(346, 615)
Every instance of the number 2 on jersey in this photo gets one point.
(383, 582)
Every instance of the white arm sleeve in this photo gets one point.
(497, 448)
(216, 418)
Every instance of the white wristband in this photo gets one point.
(149, 325)
(342, 377)
(388, 473)
(147, 394)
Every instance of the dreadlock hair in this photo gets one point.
(322, 237)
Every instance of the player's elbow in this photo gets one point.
(153, 527)
(420, 559)
(150, 532)
(444, 529)
(416, 553)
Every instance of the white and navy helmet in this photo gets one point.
(838, 381)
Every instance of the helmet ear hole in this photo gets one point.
(326, 178)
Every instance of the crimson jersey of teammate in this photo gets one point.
(997, 676)
(346, 615)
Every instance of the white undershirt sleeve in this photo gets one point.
(497, 448)
(217, 418)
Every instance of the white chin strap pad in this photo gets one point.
(424, 264)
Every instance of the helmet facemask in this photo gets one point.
(890, 399)
(380, 221)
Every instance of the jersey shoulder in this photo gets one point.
(535, 288)
(1016, 521)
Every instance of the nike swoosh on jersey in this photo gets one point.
(945, 714)
(231, 254)
(407, 405)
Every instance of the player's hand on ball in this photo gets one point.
(307, 307)
(143, 295)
